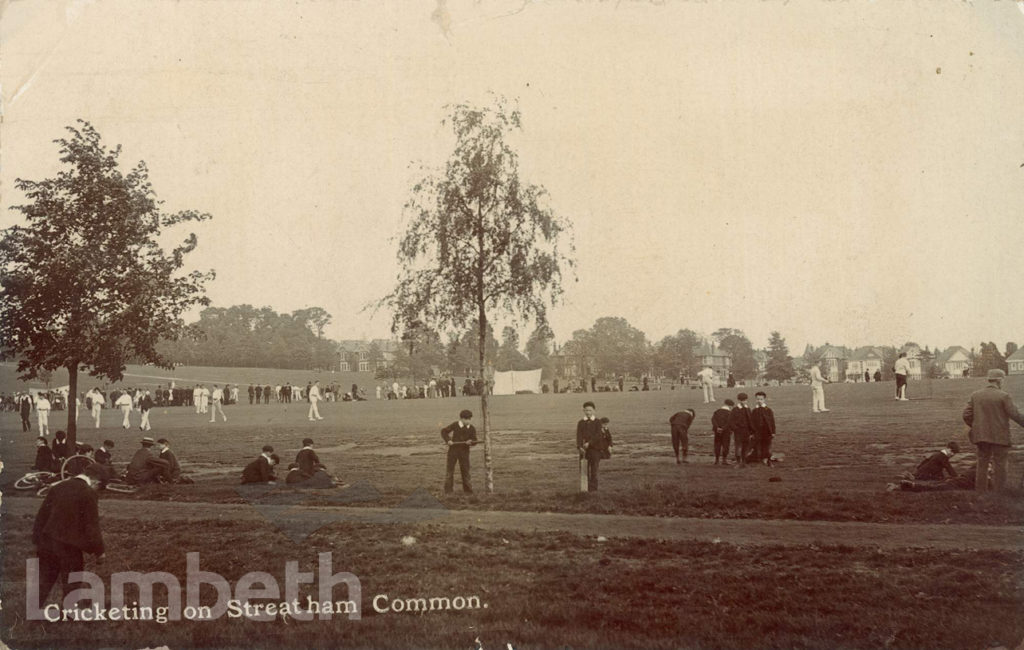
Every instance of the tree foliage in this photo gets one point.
(674, 355)
(479, 239)
(611, 347)
(85, 282)
(988, 358)
(736, 343)
(509, 357)
(243, 336)
(780, 364)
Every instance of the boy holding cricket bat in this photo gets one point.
(591, 443)
(459, 436)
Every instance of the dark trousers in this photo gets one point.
(680, 440)
(722, 444)
(26, 424)
(901, 381)
(741, 446)
(56, 561)
(457, 454)
(593, 460)
(251, 396)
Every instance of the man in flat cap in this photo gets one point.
(988, 414)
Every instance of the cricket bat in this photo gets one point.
(584, 466)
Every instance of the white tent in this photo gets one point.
(513, 381)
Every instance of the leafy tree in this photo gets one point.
(538, 349)
(780, 364)
(509, 357)
(674, 355)
(480, 239)
(617, 347)
(86, 284)
(736, 343)
(988, 358)
(889, 355)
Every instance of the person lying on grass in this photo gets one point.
(933, 467)
(963, 481)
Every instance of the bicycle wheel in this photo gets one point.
(33, 480)
(75, 465)
(121, 487)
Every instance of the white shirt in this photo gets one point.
(902, 366)
(124, 400)
(314, 394)
(42, 404)
(816, 378)
(218, 395)
(706, 375)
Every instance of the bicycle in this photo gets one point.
(72, 466)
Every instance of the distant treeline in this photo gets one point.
(249, 337)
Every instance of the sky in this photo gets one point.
(844, 172)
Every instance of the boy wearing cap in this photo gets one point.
(144, 467)
(45, 462)
(988, 414)
(459, 436)
(762, 420)
(741, 426)
(590, 442)
(103, 455)
(60, 447)
(720, 429)
(261, 470)
(934, 465)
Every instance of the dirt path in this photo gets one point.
(300, 521)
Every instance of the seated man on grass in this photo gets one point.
(307, 471)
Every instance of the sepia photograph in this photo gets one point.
(509, 324)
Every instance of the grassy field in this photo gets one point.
(556, 590)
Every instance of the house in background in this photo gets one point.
(355, 355)
(708, 354)
(914, 357)
(833, 362)
(865, 359)
(954, 362)
(1015, 362)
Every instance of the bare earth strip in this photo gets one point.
(299, 521)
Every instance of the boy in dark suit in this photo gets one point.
(60, 446)
(681, 422)
(261, 470)
(103, 455)
(763, 420)
(933, 467)
(720, 429)
(45, 461)
(67, 525)
(307, 470)
(459, 436)
(590, 443)
(741, 427)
